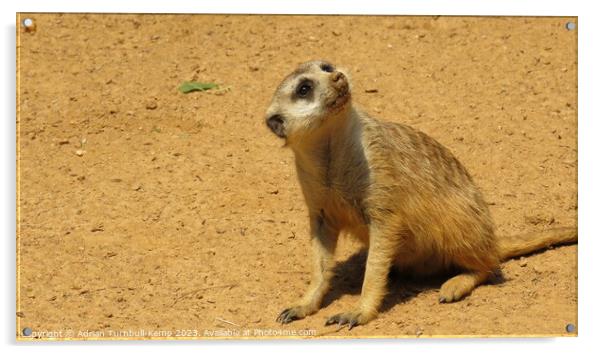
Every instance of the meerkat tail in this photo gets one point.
(520, 245)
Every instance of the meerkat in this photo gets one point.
(399, 191)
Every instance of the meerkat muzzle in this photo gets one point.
(341, 87)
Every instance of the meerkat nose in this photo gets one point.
(336, 76)
(276, 124)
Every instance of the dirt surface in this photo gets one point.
(143, 209)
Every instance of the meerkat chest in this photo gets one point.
(336, 189)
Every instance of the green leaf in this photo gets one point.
(190, 86)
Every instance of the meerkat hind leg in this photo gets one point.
(461, 285)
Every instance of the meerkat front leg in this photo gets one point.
(381, 253)
(323, 239)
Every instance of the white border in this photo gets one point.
(589, 166)
(373, 7)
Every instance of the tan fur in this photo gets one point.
(520, 245)
(396, 189)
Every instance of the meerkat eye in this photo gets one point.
(304, 88)
(327, 67)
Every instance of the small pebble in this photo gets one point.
(151, 104)
(540, 219)
(80, 152)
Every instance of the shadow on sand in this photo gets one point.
(402, 287)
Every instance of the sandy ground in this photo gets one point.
(183, 216)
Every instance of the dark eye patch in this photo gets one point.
(304, 88)
(327, 67)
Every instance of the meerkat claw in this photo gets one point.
(288, 315)
(344, 319)
(353, 323)
(284, 316)
(333, 319)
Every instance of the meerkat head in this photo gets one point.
(315, 93)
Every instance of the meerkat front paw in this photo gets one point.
(351, 319)
(293, 313)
